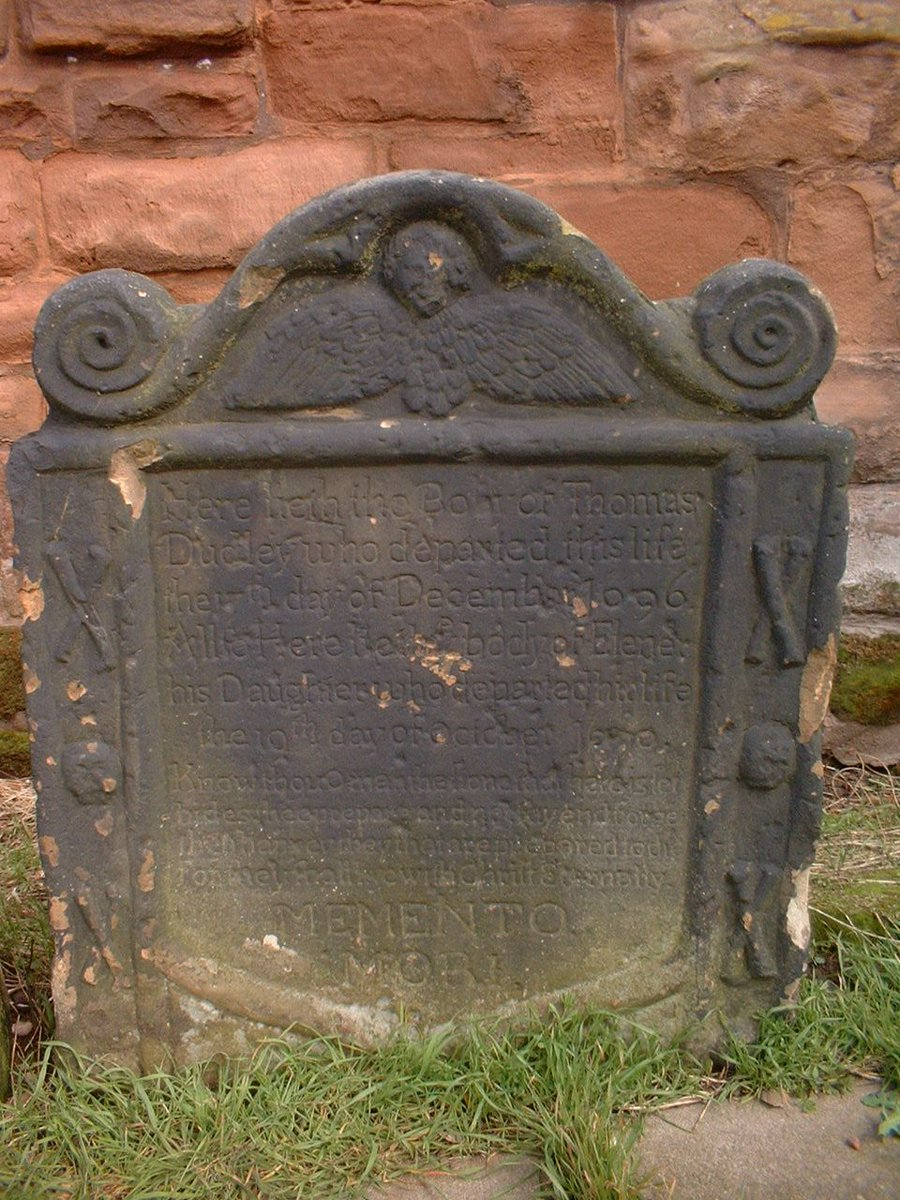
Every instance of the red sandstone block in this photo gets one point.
(373, 64)
(705, 87)
(20, 303)
(22, 406)
(560, 60)
(34, 109)
(665, 238)
(133, 26)
(10, 606)
(129, 107)
(864, 394)
(843, 237)
(193, 287)
(516, 158)
(465, 61)
(19, 213)
(186, 214)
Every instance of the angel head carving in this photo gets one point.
(431, 324)
(427, 266)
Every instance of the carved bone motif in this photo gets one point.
(779, 564)
(77, 589)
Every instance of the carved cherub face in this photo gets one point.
(428, 265)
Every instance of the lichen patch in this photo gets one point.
(75, 689)
(257, 283)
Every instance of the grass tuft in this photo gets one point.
(845, 1022)
(26, 942)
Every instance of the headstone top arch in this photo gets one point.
(431, 624)
(375, 287)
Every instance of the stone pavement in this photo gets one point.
(742, 1150)
(750, 1151)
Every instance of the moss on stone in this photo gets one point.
(15, 754)
(867, 683)
(12, 691)
(866, 904)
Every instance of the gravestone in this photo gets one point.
(429, 626)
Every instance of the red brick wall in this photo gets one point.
(166, 136)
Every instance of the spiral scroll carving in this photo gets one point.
(98, 341)
(762, 327)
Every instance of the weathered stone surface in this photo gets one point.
(497, 1177)
(193, 287)
(133, 26)
(466, 61)
(871, 745)
(826, 22)
(872, 580)
(34, 110)
(19, 206)
(666, 238)
(185, 103)
(22, 406)
(517, 158)
(431, 623)
(380, 65)
(10, 607)
(864, 394)
(757, 1150)
(707, 89)
(843, 236)
(20, 303)
(156, 215)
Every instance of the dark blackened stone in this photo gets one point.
(429, 625)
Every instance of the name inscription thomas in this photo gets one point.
(429, 723)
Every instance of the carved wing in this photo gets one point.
(522, 348)
(339, 347)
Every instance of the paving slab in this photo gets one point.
(755, 1151)
(495, 1177)
(741, 1150)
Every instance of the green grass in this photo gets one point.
(324, 1120)
(321, 1119)
(846, 1021)
(856, 879)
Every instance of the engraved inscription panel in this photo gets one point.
(429, 730)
